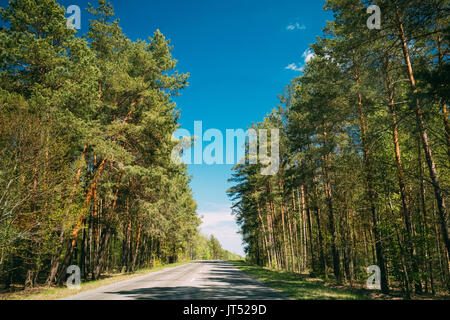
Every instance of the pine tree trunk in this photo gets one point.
(79, 224)
(302, 224)
(290, 240)
(311, 245)
(444, 105)
(371, 192)
(286, 259)
(136, 252)
(264, 235)
(349, 250)
(297, 234)
(413, 260)
(331, 225)
(322, 261)
(271, 236)
(423, 208)
(424, 136)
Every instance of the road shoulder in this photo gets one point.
(296, 286)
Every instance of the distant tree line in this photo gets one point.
(210, 249)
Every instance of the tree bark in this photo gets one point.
(331, 222)
(444, 104)
(407, 215)
(136, 252)
(371, 191)
(424, 136)
(81, 217)
(264, 234)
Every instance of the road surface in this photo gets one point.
(201, 280)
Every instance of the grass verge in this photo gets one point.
(297, 286)
(54, 293)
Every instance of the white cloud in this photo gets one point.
(294, 67)
(308, 55)
(212, 218)
(295, 26)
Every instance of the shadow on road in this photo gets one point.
(198, 293)
(222, 282)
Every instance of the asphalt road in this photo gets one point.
(202, 280)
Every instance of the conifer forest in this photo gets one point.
(86, 147)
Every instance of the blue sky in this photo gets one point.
(240, 54)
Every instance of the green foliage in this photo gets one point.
(86, 128)
(364, 151)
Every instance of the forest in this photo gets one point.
(86, 125)
(364, 155)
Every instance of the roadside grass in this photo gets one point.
(54, 293)
(297, 286)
